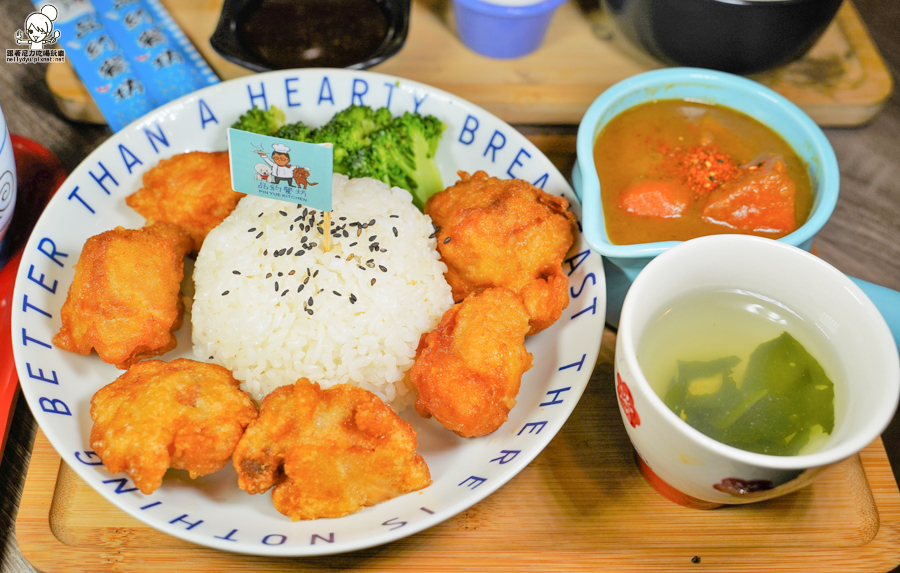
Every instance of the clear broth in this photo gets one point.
(707, 325)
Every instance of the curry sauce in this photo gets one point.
(676, 170)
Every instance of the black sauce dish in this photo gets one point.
(737, 36)
(264, 35)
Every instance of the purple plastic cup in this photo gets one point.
(503, 31)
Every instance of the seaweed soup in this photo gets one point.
(744, 370)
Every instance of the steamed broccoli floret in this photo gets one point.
(260, 121)
(296, 131)
(402, 154)
(349, 131)
(368, 143)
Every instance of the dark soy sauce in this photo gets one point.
(312, 33)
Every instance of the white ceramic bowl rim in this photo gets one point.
(826, 192)
(881, 414)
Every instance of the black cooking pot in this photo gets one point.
(738, 36)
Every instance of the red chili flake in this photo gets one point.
(703, 168)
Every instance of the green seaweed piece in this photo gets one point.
(783, 395)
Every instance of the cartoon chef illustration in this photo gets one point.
(280, 163)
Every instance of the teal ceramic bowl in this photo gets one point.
(624, 262)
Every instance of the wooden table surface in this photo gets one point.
(862, 238)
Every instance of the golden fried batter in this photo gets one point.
(124, 300)
(182, 414)
(468, 369)
(506, 233)
(191, 190)
(329, 452)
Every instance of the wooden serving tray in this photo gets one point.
(581, 505)
(842, 81)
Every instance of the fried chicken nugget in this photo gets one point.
(124, 301)
(182, 414)
(468, 369)
(329, 452)
(191, 190)
(505, 233)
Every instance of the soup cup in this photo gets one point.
(690, 468)
(695, 470)
(708, 86)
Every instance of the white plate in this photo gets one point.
(211, 510)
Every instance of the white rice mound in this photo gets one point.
(265, 335)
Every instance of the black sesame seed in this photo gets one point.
(298, 218)
(395, 216)
(300, 288)
(276, 286)
(283, 214)
(395, 231)
(223, 294)
(320, 230)
(292, 228)
(353, 244)
(303, 239)
(352, 298)
(235, 272)
(372, 238)
(310, 301)
(306, 229)
(695, 559)
(299, 253)
(362, 267)
(280, 274)
(315, 274)
(345, 233)
(447, 240)
(285, 292)
(431, 236)
(336, 293)
(260, 215)
(260, 234)
(309, 311)
(342, 218)
(290, 250)
(383, 268)
(312, 245)
(372, 222)
(251, 229)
